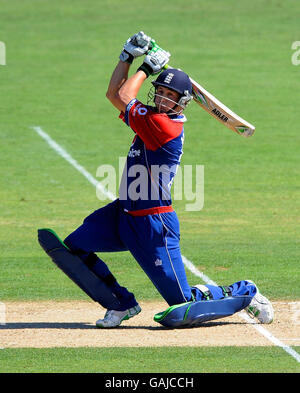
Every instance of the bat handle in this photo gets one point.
(153, 44)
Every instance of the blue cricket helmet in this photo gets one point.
(174, 79)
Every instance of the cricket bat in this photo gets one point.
(220, 111)
(215, 107)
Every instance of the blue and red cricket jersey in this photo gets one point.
(152, 161)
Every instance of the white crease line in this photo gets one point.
(270, 337)
(197, 272)
(64, 154)
(244, 315)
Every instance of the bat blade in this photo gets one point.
(220, 111)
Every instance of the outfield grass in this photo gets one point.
(150, 360)
(60, 56)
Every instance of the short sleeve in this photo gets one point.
(155, 129)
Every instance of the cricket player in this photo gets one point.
(142, 220)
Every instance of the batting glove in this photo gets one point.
(155, 60)
(135, 46)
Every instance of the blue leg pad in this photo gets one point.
(76, 270)
(192, 314)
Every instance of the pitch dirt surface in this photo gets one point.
(71, 324)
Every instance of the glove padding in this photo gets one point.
(135, 46)
(155, 60)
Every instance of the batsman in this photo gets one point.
(145, 223)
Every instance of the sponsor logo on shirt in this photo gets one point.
(134, 153)
(140, 109)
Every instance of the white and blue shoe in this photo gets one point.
(260, 308)
(114, 318)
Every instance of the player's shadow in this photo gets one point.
(201, 325)
(87, 325)
(46, 325)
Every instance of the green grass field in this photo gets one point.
(59, 59)
(157, 360)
